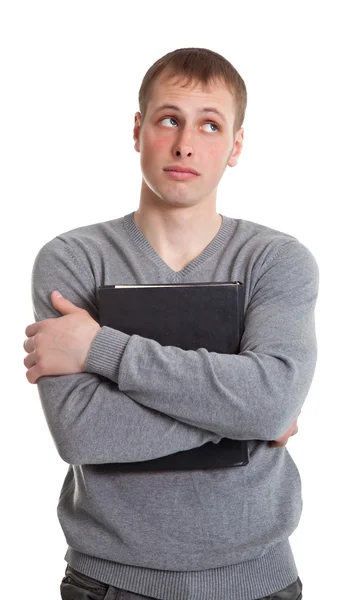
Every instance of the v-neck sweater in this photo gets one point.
(178, 535)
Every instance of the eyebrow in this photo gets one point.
(206, 109)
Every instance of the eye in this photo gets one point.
(213, 125)
(167, 119)
(209, 123)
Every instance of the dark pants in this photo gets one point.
(76, 586)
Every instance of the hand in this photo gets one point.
(60, 345)
(282, 441)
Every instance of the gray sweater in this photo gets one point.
(203, 535)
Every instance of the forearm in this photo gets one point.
(247, 396)
(92, 422)
(253, 395)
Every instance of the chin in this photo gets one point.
(174, 193)
(171, 194)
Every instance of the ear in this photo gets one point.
(136, 130)
(238, 143)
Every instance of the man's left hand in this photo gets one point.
(60, 345)
(282, 441)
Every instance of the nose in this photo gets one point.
(183, 151)
(183, 145)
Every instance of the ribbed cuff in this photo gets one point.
(105, 354)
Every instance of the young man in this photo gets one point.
(109, 397)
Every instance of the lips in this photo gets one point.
(182, 170)
(181, 175)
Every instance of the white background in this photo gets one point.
(70, 75)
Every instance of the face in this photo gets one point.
(186, 136)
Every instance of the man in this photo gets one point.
(109, 397)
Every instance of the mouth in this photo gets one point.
(181, 173)
(180, 169)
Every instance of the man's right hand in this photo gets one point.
(282, 441)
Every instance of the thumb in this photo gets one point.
(63, 305)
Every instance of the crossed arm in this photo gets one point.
(82, 408)
(60, 346)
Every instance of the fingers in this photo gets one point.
(32, 329)
(29, 344)
(282, 441)
(32, 375)
(30, 360)
(275, 444)
(29, 347)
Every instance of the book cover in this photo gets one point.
(190, 316)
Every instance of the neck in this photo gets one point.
(178, 233)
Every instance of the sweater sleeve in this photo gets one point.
(90, 419)
(255, 394)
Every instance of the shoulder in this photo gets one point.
(69, 263)
(81, 243)
(261, 234)
(267, 246)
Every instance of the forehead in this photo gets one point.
(176, 90)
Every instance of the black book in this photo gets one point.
(190, 316)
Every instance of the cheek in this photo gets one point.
(153, 145)
(215, 156)
(153, 152)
